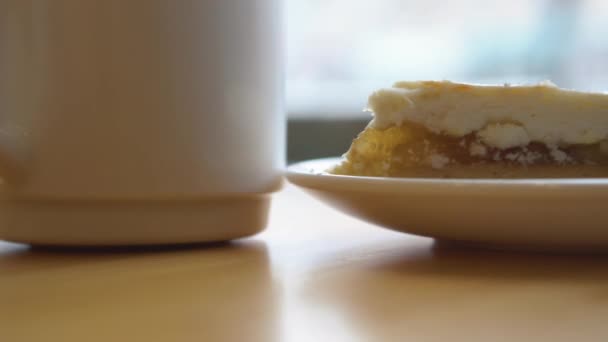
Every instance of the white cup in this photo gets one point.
(139, 121)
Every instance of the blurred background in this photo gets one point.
(339, 51)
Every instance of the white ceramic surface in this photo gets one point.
(128, 113)
(532, 213)
(112, 223)
(141, 99)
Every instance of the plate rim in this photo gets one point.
(306, 174)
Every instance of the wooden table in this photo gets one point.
(314, 275)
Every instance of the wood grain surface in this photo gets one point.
(314, 275)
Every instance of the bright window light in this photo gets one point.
(341, 50)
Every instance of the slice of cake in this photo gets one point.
(445, 129)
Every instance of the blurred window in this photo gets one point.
(341, 50)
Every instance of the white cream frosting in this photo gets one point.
(501, 116)
(503, 135)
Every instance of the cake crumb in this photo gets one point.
(559, 155)
(531, 157)
(525, 157)
(438, 161)
(477, 149)
(513, 156)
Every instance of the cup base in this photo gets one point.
(120, 223)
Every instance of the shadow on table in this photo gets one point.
(446, 292)
(201, 292)
(446, 259)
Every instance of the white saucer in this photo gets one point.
(530, 213)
